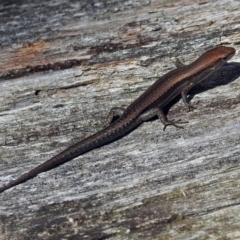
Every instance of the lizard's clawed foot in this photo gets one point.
(190, 107)
(174, 123)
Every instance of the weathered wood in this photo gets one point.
(63, 66)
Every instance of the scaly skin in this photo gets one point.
(145, 107)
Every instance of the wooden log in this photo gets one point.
(63, 66)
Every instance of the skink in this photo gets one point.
(145, 107)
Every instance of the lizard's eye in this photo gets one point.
(225, 58)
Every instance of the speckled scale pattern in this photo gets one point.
(157, 95)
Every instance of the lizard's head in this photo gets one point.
(225, 53)
(217, 56)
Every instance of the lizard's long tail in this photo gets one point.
(114, 131)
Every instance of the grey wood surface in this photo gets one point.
(63, 66)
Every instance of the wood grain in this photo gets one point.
(63, 66)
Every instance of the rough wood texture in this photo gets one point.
(63, 66)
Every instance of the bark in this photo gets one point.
(63, 66)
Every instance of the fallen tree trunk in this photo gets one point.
(64, 65)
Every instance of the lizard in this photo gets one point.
(148, 105)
